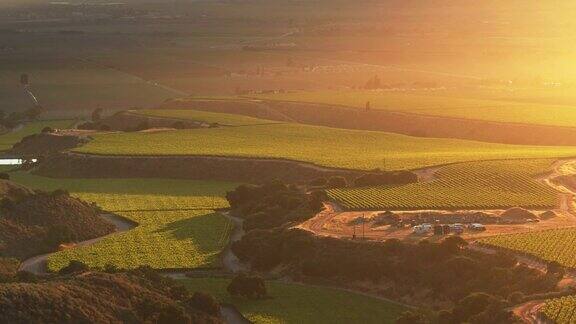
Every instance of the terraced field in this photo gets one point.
(177, 225)
(11, 138)
(441, 106)
(324, 146)
(203, 116)
(292, 303)
(472, 185)
(560, 310)
(550, 245)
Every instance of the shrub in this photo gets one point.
(59, 234)
(74, 267)
(516, 298)
(179, 125)
(337, 182)
(205, 302)
(4, 176)
(144, 125)
(105, 127)
(252, 287)
(47, 129)
(318, 182)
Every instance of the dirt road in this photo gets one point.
(38, 265)
(332, 221)
(528, 312)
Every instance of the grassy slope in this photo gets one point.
(291, 303)
(9, 139)
(321, 145)
(178, 228)
(486, 184)
(203, 116)
(482, 109)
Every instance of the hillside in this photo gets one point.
(323, 146)
(36, 223)
(134, 297)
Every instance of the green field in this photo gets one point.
(9, 139)
(292, 303)
(76, 84)
(442, 106)
(324, 146)
(202, 116)
(472, 185)
(560, 310)
(177, 225)
(549, 245)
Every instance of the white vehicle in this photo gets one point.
(422, 229)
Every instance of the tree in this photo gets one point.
(337, 182)
(97, 114)
(74, 267)
(252, 287)
(47, 129)
(205, 302)
(59, 234)
(172, 314)
(555, 268)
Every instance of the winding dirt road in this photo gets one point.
(38, 265)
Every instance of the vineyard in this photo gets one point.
(320, 145)
(440, 105)
(473, 185)
(560, 310)
(177, 225)
(550, 245)
(163, 240)
(202, 116)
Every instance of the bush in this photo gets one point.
(47, 129)
(318, 182)
(59, 234)
(337, 182)
(515, 298)
(144, 125)
(4, 176)
(105, 127)
(251, 287)
(205, 303)
(74, 267)
(179, 125)
(60, 192)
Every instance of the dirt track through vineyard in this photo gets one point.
(333, 221)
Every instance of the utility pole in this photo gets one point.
(363, 231)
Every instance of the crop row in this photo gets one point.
(560, 310)
(473, 185)
(177, 226)
(551, 245)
